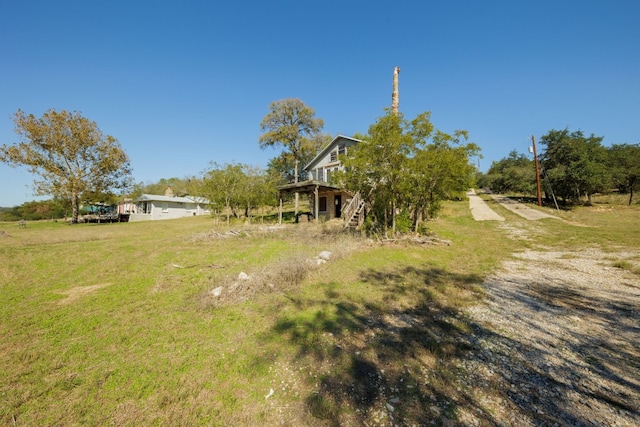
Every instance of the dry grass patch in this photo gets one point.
(74, 294)
(310, 247)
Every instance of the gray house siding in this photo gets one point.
(151, 207)
(326, 162)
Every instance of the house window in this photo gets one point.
(320, 174)
(334, 156)
(342, 149)
(144, 207)
(165, 207)
(322, 204)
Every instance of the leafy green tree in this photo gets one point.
(237, 187)
(293, 125)
(222, 186)
(576, 165)
(70, 154)
(375, 168)
(256, 189)
(99, 197)
(403, 169)
(440, 170)
(624, 163)
(189, 185)
(9, 214)
(36, 210)
(283, 166)
(514, 174)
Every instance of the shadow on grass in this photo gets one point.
(403, 352)
(287, 216)
(391, 355)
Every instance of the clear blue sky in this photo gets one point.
(184, 83)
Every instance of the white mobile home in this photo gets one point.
(153, 207)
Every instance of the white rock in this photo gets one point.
(217, 291)
(390, 407)
(270, 394)
(243, 276)
(325, 255)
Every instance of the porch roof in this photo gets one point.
(307, 187)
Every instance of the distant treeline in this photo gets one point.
(573, 167)
(36, 210)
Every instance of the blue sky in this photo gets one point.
(181, 84)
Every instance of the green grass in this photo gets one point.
(609, 226)
(101, 325)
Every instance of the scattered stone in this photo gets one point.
(217, 291)
(325, 255)
(390, 407)
(243, 276)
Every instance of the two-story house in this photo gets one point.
(328, 200)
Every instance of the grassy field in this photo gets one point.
(116, 323)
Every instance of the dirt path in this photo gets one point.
(523, 210)
(480, 210)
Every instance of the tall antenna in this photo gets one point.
(395, 95)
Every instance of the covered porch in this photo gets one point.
(326, 201)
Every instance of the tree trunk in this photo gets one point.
(295, 179)
(393, 218)
(630, 195)
(75, 207)
(417, 217)
(418, 213)
(386, 219)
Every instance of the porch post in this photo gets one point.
(316, 203)
(280, 212)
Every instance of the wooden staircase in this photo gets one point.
(353, 213)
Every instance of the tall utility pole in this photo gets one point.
(395, 95)
(535, 156)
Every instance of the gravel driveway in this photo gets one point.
(557, 342)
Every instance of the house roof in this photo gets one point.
(326, 150)
(155, 198)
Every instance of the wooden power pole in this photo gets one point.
(535, 157)
(395, 95)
